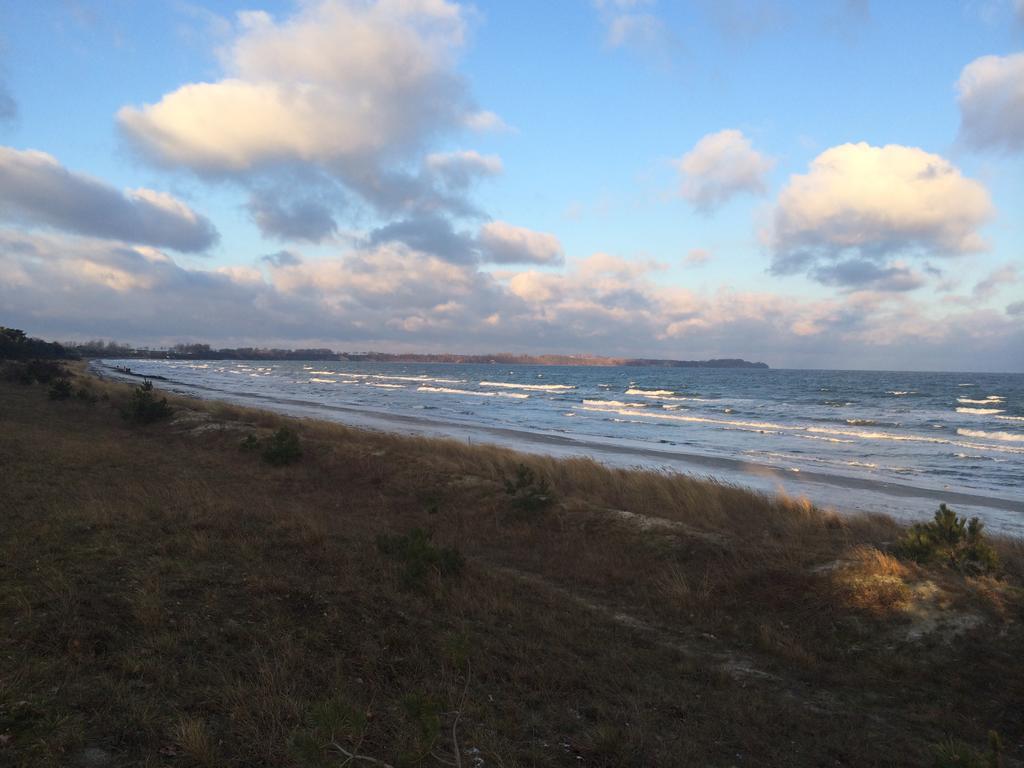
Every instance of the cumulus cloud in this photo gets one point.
(341, 79)
(860, 203)
(503, 243)
(350, 91)
(721, 166)
(36, 190)
(991, 98)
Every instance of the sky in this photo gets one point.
(837, 184)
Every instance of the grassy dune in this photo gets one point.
(170, 598)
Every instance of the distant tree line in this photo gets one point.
(15, 344)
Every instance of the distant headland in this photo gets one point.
(16, 344)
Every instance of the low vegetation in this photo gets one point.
(145, 407)
(950, 539)
(421, 562)
(169, 600)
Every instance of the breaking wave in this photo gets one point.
(1008, 437)
(534, 387)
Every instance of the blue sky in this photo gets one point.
(576, 224)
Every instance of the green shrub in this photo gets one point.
(529, 493)
(144, 408)
(419, 558)
(952, 539)
(60, 389)
(282, 448)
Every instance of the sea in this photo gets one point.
(856, 441)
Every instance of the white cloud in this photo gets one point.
(342, 79)
(503, 243)
(862, 203)
(35, 189)
(720, 166)
(344, 92)
(392, 296)
(991, 97)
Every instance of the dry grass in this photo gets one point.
(872, 581)
(173, 600)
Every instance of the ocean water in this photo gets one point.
(896, 442)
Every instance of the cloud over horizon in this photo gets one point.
(393, 296)
(859, 207)
(36, 189)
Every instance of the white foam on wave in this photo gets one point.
(901, 392)
(322, 381)
(1009, 437)
(532, 387)
(828, 433)
(826, 439)
(1011, 418)
(614, 404)
(650, 392)
(989, 399)
(980, 411)
(757, 425)
(382, 377)
(450, 391)
(384, 385)
(323, 373)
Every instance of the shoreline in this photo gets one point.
(843, 493)
(156, 563)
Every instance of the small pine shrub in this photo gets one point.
(144, 408)
(60, 389)
(952, 539)
(529, 494)
(419, 558)
(282, 448)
